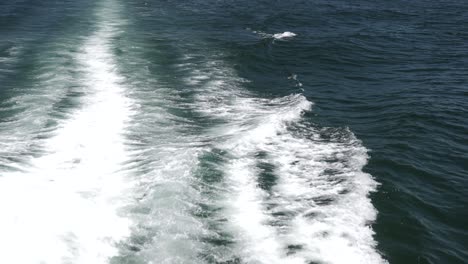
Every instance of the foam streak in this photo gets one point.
(64, 209)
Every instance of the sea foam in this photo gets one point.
(283, 35)
(64, 207)
(316, 202)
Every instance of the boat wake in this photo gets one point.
(145, 172)
(63, 207)
(290, 192)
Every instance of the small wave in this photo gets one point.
(283, 35)
(10, 54)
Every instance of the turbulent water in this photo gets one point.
(233, 132)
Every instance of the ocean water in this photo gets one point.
(313, 132)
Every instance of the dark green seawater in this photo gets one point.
(194, 131)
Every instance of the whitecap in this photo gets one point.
(283, 35)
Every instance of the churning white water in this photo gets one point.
(140, 172)
(63, 208)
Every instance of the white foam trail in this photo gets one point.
(164, 151)
(260, 241)
(304, 189)
(166, 199)
(247, 213)
(283, 35)
(65, 209)
(316, 214)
